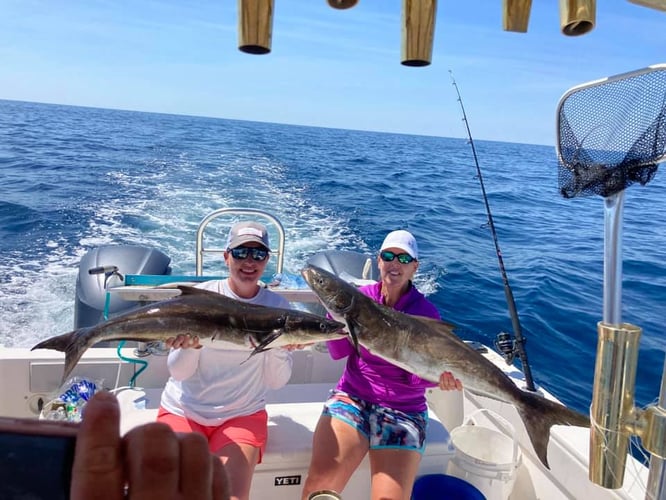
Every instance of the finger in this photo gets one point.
(170, 342)
(152, 461)
(196, 468)
(187, 341)
(221, 484)
(293, 347)
(179, 341)
(97, 471)
(446, 381)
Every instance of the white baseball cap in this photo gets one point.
(403, 240)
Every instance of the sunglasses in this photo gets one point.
(403, 258)
(242, 253)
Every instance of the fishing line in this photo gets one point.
(509, 348)
(633, 468)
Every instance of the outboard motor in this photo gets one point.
(348, 265)
(105, 267)
(353, 267)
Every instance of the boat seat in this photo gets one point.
(293, 412)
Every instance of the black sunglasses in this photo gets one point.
(403, 258)
(242, 253)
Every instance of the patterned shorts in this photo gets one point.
(384, 427)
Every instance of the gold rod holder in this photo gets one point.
(612, 402)
(656, 487)
(418, 31)
(577, 17)
(255, 26)
(516, 15)
(342, 4)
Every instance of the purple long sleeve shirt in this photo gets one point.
(374, 380)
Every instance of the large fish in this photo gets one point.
(428, 347)
(217, 321)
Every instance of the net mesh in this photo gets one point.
(612, 134)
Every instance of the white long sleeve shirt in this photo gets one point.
(212, 385)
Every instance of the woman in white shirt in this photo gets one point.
(220, 392)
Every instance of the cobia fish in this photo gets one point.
(214, 318)
(428, 347)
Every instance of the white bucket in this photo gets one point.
(485, 457)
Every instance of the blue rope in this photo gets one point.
(144, 364)
(107, 304)
(132, 360)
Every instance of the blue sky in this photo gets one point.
(330, 68)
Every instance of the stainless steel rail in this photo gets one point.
(200, 250)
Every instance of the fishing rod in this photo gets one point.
(509, 348)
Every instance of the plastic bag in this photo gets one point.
(71, 400)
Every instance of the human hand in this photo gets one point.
(294, 347)
(150, 462)
(447, 382)
(183, 341)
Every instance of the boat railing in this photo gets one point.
(200, 250)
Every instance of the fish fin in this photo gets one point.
(263, 345)
(352, 326)
(353, 336)
(540, 414)
(73, 344)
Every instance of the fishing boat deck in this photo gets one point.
(293, 413)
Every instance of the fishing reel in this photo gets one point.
(506, 346)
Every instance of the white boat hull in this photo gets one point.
(29, 379)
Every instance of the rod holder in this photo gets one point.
(651, 429)
(612, 412)
(656, 486)
(418, 31)
(255, 26)
(577, 17)
(516, 15)
(342, 4)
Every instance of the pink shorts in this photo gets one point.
(248, 429)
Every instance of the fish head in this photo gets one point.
(295, 327)
(306, 328)
(334, 293)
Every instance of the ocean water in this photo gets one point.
(75, 178)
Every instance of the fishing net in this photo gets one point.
(612, 133)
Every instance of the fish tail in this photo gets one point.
(73, 344)
(540, 414)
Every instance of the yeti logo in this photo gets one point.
(287, 480)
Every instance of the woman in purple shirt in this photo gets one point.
(377, 408)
